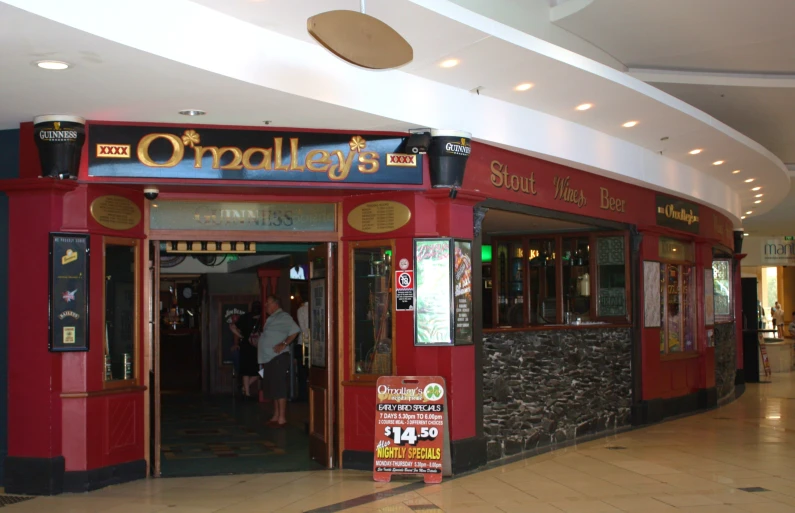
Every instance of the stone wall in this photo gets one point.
(546, 387)
(725, 359)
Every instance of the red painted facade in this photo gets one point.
(57, 403)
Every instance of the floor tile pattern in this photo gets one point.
(706, 463)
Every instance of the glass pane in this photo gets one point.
(512, 269)
(721, 278)
(119, 312)
(434, 297)
(689, 307)
(611, 291)
(671, 249)
(543, 290)
(576, 278)
(673, 307)
(372, 310)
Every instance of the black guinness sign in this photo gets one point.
(449, 151)
(677, 214)
(59, 140)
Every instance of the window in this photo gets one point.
(552, 280)
(121, 310)
(722, 289)
(677, 308)
(371, 287)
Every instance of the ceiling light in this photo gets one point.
(717, 163)
(584, 106)
(735, 171)
(749, 180)
(52, 65)
(749, 212)
(742, 217)
(696, 151)
(524, 87)
(756, 188)
(758, 201)
(192, 112)
(449, 63)
(629, 124)
(758, 195)
(746, 234)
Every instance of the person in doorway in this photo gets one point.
(273, 352)
(779, 315)
(773, 316)
(247, 325)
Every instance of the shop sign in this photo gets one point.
(404, 290)
(115, 212)
(410, 428)
(777, 252)
(677, 214)
(257, 155)
(564, 192)
(242, 216)
(379, 217)
(69, 292)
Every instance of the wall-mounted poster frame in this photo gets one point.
(443, 292)
(69, 292)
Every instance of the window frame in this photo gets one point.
(137, 364)
(557, 238)
(352, 247)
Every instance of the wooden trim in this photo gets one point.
(556, 327)
(244, 236)
(353, 246)
(128, 389)
(370, 383)
(136, 371)
(156, 437)
(672, 357)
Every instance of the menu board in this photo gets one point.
(410, 423)
(462, 291)
(68, 292)
(433, 305)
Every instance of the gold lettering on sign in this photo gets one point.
(680, 215)
(607, 202)
(500, 177)
(379, 216)
(565, 193)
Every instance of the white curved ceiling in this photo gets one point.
(247, 61)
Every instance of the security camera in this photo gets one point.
(151, 193)
(418, 142)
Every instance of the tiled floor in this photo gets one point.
(708, 463)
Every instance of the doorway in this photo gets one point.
(205, 420)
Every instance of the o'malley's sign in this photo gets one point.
(232, 154)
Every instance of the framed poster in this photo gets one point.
(433, 293)
(69, 254)
(462, 292)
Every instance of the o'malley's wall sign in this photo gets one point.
(233, 154)
(677, 214)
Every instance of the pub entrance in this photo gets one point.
(210, 405)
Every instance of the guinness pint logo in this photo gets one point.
(460, 147)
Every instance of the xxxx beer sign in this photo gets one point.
(258, 155)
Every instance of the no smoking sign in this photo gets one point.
(404, 290)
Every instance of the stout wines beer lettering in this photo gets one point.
(607, 202)
(565, 193)
(500, 177)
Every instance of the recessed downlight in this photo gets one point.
(756, 189)
(696, 151)
(758, 201)
(192, 112)
(746, 234)
(53, 65)
(749, 180)
(629, 124)
(449, 63)
(584, 106)
(524, 87)
(758, 195)
(742, 217)
(749, 212)
(736, 171)
(717, 163)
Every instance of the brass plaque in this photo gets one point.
(115, 212)
(379, 216)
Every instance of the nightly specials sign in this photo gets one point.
(69, 292)
(409, 427)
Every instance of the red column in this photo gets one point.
(35, 462)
